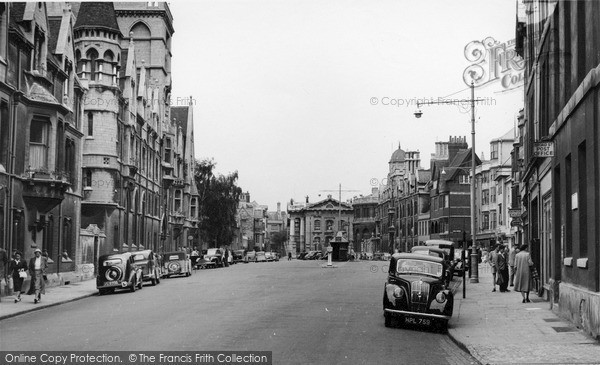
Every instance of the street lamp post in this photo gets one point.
(472, 100)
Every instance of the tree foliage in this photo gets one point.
(219, 196)
(278, 240)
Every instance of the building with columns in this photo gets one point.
(313, 225)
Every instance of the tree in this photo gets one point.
(278, 240)
(219, 197)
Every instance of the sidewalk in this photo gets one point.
(497, 328)
(54, 296)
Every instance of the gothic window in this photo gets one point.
(193, 208)
(90, 122)
(92, 56)
(177, 201)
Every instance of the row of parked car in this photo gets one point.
(214, 257)
(129, 270)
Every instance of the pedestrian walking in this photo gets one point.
(511, 263)
(523, 278)
(18, 270)
(502, 274)
(194, 256)
(37, 269)
(289, 256)
(494, 262)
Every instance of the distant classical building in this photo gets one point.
(313, 225)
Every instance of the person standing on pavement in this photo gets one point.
(502, 274)
(494, 263)
(511, 263)
(37, 269)
(523, 282)
(18, 270)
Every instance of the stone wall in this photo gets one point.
(581, 307)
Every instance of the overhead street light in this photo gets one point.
(418, 113)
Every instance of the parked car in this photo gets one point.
(118, 271)
(260, 256)
(275, 255)
(215, 256)
(250, 256)
(238, 256)
(177, 263)
(434, 251)
(148, 261)
(302, 256)
(416, 291)
(269, 256)
(455, 262)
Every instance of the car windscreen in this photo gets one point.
(419, 267)
(427, 253)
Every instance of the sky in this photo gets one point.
(300, 97)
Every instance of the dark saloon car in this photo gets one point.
(238, 256)
(148, 261)
(214, 256)
(118, 271)
(177, 263)
(416, 292)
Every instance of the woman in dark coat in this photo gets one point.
(17, 264)
(502, 275)
(37, 269)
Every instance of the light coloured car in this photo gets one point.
(260, 257)
(177, 263)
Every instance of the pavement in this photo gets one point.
(497, 328)
(494, 327)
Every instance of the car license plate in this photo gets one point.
(418, 321)
(111, 283)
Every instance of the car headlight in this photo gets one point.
(398, 292)
(440, 297)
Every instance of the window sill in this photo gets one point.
(568, 261)
(582, 263)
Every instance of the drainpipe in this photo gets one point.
(11, 170)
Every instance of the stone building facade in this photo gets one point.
(559, 188)
(363, 222)
(40, 135)
(138, 155)
(106, 166)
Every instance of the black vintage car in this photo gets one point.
(148, 261)
(118, 271)
(176, 263)
(416, 291)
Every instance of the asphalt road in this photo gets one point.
(302, 312)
